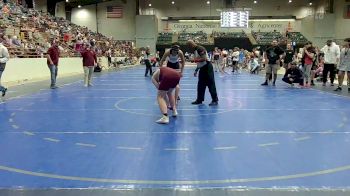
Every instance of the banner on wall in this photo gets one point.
(209, 27)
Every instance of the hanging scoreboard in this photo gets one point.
(234, 19)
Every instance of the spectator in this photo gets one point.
(53, 55)
(293, 75)
(272, 57)
(89, 62)
(331, 58)
(4, 57)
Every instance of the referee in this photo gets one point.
(206, 74)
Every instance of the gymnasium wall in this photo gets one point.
(210, 26)
(60, 10)
(121, 29)
(41, 5)
(85, 16)
(20, 70)
(298, 8)
(146, 31)
(342, 25)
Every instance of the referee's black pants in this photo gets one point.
(206, 79)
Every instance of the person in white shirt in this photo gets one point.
(331, 58)
(216, 59)
(235, 58)
(176, 61)
(4, 57)
(344, 65)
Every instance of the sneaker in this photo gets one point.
(85, 85)
(90, 85)
(196, 102)
(170, 108)
(175, 113)
(4, 92)
(349, 90)
(338, 89)
(163, 120)
(332, 84)
(178, 98)
(264, 84)
(53, 87)
(324, 84)
(213, 103)
(273, 84)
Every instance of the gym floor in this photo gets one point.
(106, 136)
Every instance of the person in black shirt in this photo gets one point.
(273, 56)
(206, 74)
(147, 59)
(289, 56)
(293, 75)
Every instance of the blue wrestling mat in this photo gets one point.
(106, 137)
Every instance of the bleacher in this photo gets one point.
(296, 37)
(230, 34)
(199, 37)
(265, 38)
(31, 32)
(165, 38)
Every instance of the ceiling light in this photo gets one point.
(79, 6)
(208, 2)
(150, 5)
(255, 2)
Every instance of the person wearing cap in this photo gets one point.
(89, 62)
(331, 58)
(4, 57)
(175, 57)
(344, 65)
(206, 75)
(53, 55)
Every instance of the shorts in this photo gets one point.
(344, 67)
(173, 65)
(168, 79)
(271, 68)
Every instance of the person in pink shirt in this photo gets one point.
(308, 60)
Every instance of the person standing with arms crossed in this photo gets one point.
(4, 57)
(206, 75)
